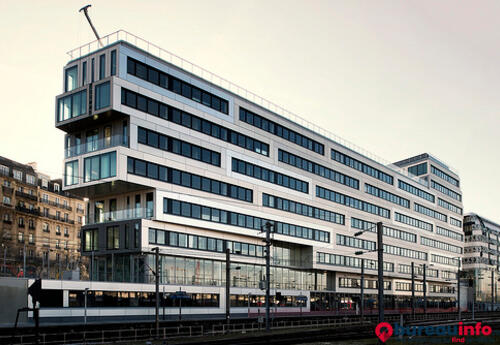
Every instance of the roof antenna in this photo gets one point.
(85, 11)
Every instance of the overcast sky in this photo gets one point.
(397, 78)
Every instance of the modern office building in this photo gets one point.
(481, 261)
(172, 156)
(40, 223)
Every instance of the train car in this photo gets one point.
(64, 301)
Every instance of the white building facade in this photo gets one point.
(171, 160)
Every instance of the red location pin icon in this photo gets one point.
(385, 334)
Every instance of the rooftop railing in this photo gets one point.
(199, 71)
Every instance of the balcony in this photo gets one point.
(56, 204)
(7, 221)
(60, 219)
(32, 227)
(126, 214)
(7, 190)
(26, 195)
(23, 209)
(96, 145)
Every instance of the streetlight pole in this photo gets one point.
(380, 252)
(458, 295)
(85, 311)
(413, 289)
(249, 305)
(228, 286)
(268, 274)
(157, 286)
(362, 299)
(425, 290)
(380, 262)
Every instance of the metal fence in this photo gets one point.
(142, 334)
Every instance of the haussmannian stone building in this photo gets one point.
(40, 223)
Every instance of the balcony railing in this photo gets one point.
(61, 219)
(7, 190)
(26, 195)
(126, 214)
(96, 145)
(23, 209)
(56, 204)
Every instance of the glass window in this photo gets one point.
(163, 80)
(141, 71)
(99, 167)
(71, 173)
(142, 103)
(152, 170)
(176, 86)
(71, 79)
(102, 95)
(113, 62)
(113, 237)
(92, 70)
(153, 76)
(183, 240)
(152, 139)
(160, 237)
(102, 66)
(72, 106)
(196, 94)
(205, 99)
(140, 168)
(84, 72)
